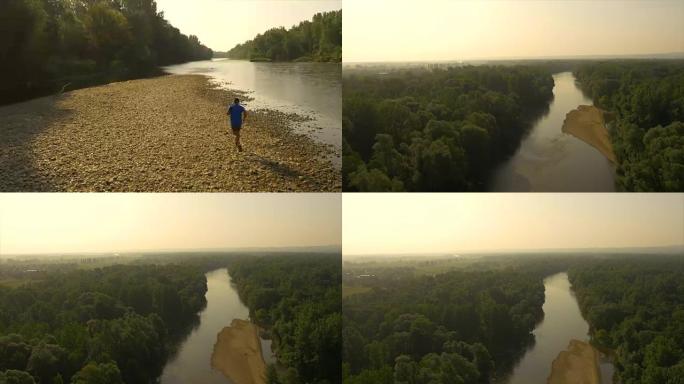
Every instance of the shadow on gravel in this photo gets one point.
(20, 124)
(276, 167)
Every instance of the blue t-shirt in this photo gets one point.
(235, 111)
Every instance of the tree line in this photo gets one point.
(296, 298)
(461, 326)
(111, 325)
(436, 129)
(119, 324)
(647, 98)
(636, 311)
(50, 45)
(317, 40)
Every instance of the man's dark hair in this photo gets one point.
(236, 100)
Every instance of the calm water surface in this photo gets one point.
(562, 322)
(309, 89)
(192, 362)
(550, 160)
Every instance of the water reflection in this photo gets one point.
(310, 89)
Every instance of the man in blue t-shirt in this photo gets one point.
(237, 114)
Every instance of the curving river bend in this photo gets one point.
(192, 361)
(562, 322)
(549, 160)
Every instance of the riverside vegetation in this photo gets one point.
(52, 45)
(317, 40)
(86, 322)
(422, 129)
(636, 309)
(470, 324)
(446, 128)
(647, 98)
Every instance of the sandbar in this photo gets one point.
(579, 364)
(237, 353)
(587, 123)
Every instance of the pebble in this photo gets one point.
(164, 134)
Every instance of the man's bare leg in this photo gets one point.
(237, 140)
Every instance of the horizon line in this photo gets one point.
(177, 250)
(529, 250)
(635, 56)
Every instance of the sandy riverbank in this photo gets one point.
(587, 124)
(168, 133)
(237, 353)
(579, 364)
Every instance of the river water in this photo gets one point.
(310, 89)
(562, 322)
(192, 362)
(549, 160)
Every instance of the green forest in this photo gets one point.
(648, 134)
(116, 324)
(468, 321)
(52, 45)
(636, 309)
(317, 40)
(454, 327)
(436, 129)
(296, 298)
(79, 322)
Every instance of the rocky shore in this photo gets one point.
(164, 134)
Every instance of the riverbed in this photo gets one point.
(163, 134)
(312, 90)
(562, 323)
(192, 362)
(550, 160)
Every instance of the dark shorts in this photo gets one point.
(236, 127)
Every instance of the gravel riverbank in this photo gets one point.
(162, 134)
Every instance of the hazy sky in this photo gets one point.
(405, 30)
(459, 222)
(221, 24)
(77, 222)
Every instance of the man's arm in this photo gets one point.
(244, 115)
(229, 108)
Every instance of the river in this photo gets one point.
(192, 362)
(562, 322)
(308, 89)
(549, 160)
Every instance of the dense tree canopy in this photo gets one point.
(452, 327)
(435, 129)
(296, 298)
(46, 45)
(118, 324)
(317, 40)
(647, 98)
(110, 325)
(636, 309)
(468, 320)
